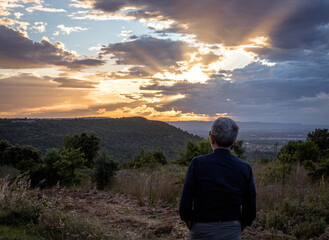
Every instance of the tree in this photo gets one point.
(70, 160)
(88, 145)
(289, 148)
(238, 149)
(4, 144)
(23, 158)
(104, 171)
(192, 150)
(321, 138)
(306, 151)
(147, 159)
(58, 166)
(46, 174)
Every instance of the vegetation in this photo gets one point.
(292, 189)
(147, 159)
(104, 170)
(121, 138)
(193, 149)
(86, 144)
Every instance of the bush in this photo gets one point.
(59, 165)
(104, 171)
(305, 217)
(4, 144)
(309, 228)
(87, 144)
(147, 159)
(23, 158)
(238, 149)
(192, 150)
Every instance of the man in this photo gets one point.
(218, 199)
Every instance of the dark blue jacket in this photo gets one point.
(218, 187)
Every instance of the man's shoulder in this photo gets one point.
(241, 164)
(203, 157)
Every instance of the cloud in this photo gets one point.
(279, 93)
(18, 15)
(21, 26)
(17, 51)
(29, 91)
(39, 26)
(289, 27)
(132, 73)
(74, 83)
(227, 22)
(67, 30)
(39, 7)
(157, 54)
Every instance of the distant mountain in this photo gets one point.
(122, 138)
(201, 128)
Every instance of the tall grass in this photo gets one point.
(291, 203)
(22, 206)
(152, 185)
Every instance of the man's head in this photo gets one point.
(224, 132)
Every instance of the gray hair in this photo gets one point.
(225, 131)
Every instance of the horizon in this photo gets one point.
(194, 121)
(168, 61)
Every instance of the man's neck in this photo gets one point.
(217, 147)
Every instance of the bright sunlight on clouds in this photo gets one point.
(165, 60)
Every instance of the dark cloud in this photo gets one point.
(74, 83)
(132, 73)
(274, 94)
(306, 28)
(233, 22)
(157, 54)
(18, 51)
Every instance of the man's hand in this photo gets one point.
(189, 224)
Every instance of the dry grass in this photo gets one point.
(163, 184)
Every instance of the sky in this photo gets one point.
(167, 60)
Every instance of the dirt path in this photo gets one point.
(123, 213)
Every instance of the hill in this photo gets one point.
(122, 138)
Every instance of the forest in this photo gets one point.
(121, 138)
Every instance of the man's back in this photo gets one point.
(218, 184)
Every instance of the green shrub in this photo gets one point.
(23, 158)
(192, 150)
(145, 159)
(238, 149)
(309, 228)
(4, 144)
(306, 217)
(59, 165)
(88, 144)
(104, 171)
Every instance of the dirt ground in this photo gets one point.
(135, 221)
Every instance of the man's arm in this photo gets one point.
(249, 202)
(186, 201)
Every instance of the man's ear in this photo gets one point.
(233, 143)
(212, 140)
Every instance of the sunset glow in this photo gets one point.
(165, 61)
